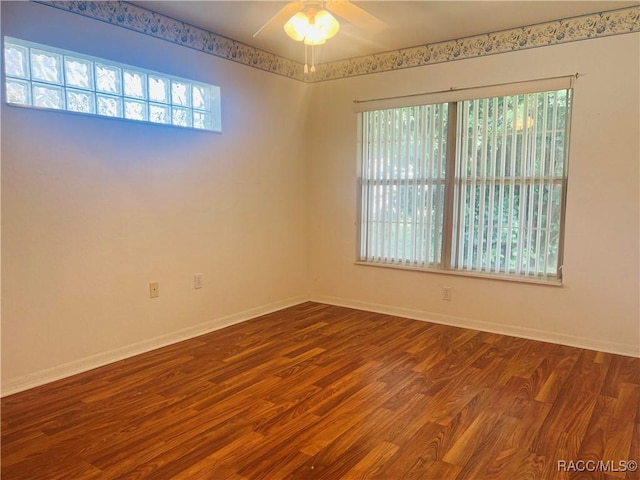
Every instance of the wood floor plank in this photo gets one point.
(369, 466)
(619, 440)
(513, 450)
(422, 447)
(462, 450)
(484, 453)
(323, 392)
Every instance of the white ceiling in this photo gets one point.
(409, 23)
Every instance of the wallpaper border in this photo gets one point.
(142, 20)
(585, 27)
(148, 22)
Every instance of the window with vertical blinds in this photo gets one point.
(403, 185)
(475, 185)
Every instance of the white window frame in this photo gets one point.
(451, 256)
(178, 110)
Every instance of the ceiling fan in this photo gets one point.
(312, 22)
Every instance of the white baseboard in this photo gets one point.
(629, 350)
(88, 363)
(94, 361)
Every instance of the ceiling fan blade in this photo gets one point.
(282, 16)
(355, 15)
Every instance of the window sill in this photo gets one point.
(487, 276)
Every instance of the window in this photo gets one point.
(475, 185)
(46, 77)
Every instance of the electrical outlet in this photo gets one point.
(197, 280)
(446, 294)
(153, 290)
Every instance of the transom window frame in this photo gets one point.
(454, 99)
(186, 104)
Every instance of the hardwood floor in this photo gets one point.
(323, 392)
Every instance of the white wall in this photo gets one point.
(598, 305)
(94, 209)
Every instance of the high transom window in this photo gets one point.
(45, 77)
(475, 185)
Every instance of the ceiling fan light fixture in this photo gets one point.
(315, 35)
(297, 27)
(312, 27)
(327, 23)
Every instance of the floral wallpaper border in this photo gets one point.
(142, 20)
(614, 22)
(139, 19)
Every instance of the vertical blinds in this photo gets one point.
(511, 165)
(507, 173)
(403, 185)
